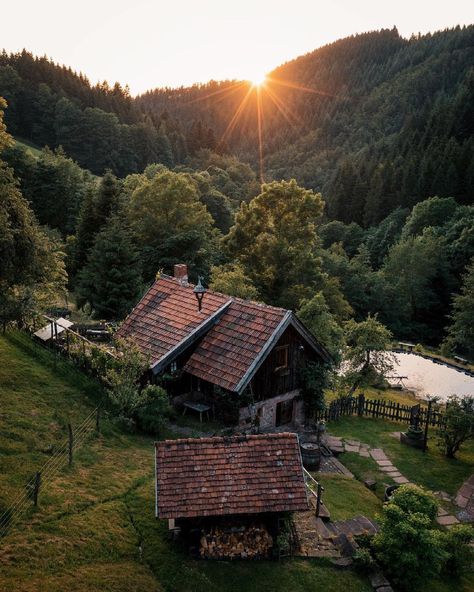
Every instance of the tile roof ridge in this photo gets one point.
(236, 299)
(228, 439)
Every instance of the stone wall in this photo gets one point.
(267, 411)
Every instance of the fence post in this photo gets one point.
(36, 488)
(71, 443)
(427, 422)
(361, 403)
(318, 501)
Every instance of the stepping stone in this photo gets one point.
(342, 562)
(401, 480)
(442, 495)
(353, 442)
(466, 490)
(464, 516)
(377, 579)
(364, 453)
(442, 512)
(394, 474)
(388, 469)
(384, 463)
(461, 501)
(447, 520)
(378, 454)
(350, 448)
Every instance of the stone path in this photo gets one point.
(339, 445)
(329, 539)
(464, 498)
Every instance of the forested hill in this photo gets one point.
(375, 121)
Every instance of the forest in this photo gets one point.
(366, 207)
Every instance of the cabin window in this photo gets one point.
(173, 367)
(281, 354)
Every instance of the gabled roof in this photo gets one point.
(230, 354)
(167, 320)
(222, 476)
(232, 346)
(236, 335)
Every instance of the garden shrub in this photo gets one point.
(457, 540)
(152, 416)
(408, 546)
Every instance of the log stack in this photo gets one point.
(245, 542)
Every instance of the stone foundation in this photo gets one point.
(267, 411)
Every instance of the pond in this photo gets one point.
(426, 377)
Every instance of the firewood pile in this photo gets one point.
(245, 542)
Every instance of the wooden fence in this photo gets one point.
(378, 408)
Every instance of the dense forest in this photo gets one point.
(375, 130)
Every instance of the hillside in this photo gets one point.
(374, 121)
(94, 529)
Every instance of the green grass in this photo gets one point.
(94, 529)
(346, 498)
(392, 395)
(431, 469)
(29, 146)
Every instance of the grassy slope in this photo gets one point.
(29, 146)
(94, 529)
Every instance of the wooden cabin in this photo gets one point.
(227, 497)
(223, 350)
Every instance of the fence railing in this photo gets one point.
(62, 457)
(314, 490)
(378, 408)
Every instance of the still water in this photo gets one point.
(428, 378)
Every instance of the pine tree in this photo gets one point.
(107, 202)
(111, 280)
(461, 332)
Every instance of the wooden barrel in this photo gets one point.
(310, 455)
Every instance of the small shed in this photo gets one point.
(228, 495)
(53, 329)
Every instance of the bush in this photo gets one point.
(414, 499)
(457, 540)
(458, 426)
(363, 561)
(152, 416)
(408, 547)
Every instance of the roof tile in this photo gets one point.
(236, 475)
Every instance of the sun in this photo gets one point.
(258, 79)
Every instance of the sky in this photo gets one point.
(151, 43)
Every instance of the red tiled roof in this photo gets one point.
(236, 475)
(167, 315)
(229, 349)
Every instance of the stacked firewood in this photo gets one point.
(246, 542)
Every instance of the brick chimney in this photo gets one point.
(181, 273)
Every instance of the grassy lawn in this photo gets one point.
(392, 395)
(346, 498)
(431, 469)
(94, 529)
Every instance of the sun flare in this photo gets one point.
(258, 79)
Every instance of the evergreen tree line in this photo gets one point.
(373, 121)
(100, 127)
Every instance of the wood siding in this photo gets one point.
(271, 380)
